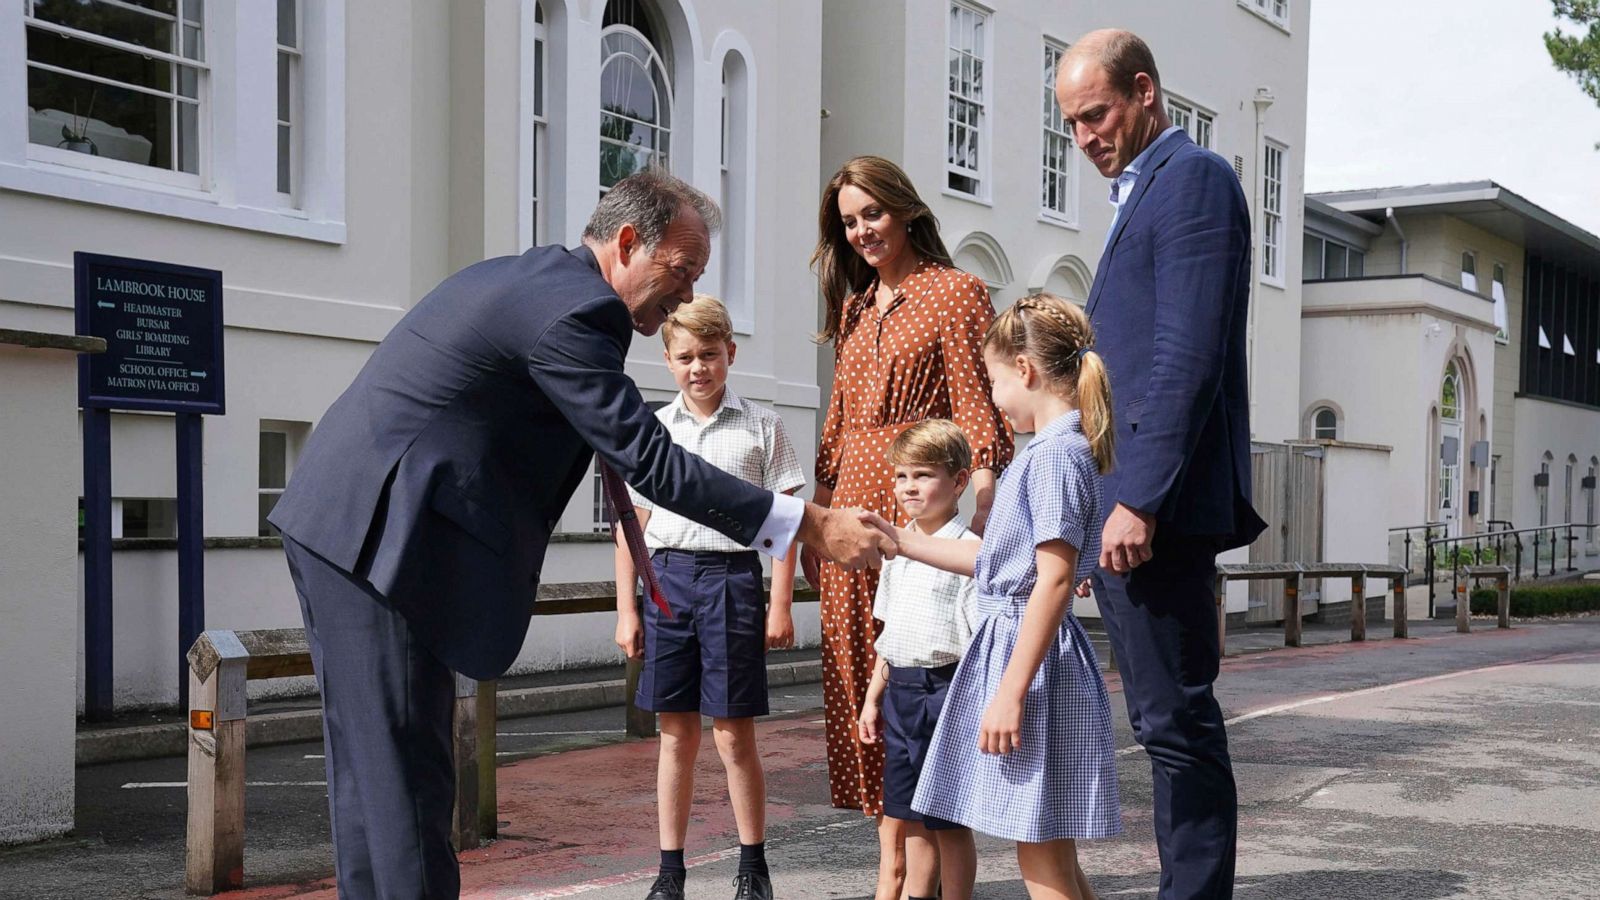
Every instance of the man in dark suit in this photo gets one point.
(1168, 307)
(417, 519)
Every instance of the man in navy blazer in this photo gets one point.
(1168, 307)
(417, 519)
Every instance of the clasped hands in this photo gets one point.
(845, 536)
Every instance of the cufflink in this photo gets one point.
(767, 543)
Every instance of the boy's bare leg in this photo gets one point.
(958, 862)
(680, 744)
(747, 784)
(1049, 870)
(891, 859)
(922, 861)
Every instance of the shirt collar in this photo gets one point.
(902, 291)
(954, 528)
(1065, 424)
(731, 403)
(1123, 184)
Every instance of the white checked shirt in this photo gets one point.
(745, 440)
(928, 614)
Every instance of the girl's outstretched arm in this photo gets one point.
(1001, 730)
(949, 554)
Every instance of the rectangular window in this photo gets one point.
(1497, 291)
(1358, 263)
(118, 81)
(144, 517)
(1272, 172)
(1197, 122)
(280, 445)
(1469, 271)
(968, 109)
(1274, 10)
(1311, 258)
(541, 126)
(289, 97)
(1058, 190)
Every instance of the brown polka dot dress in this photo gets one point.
(922, 359)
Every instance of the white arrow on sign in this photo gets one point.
(104, 305)
(198, 374)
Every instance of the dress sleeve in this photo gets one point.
(1058, 498)
(962, 327)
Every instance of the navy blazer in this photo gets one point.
(440, 473)
(1169, 310)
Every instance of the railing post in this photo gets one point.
(1358, 607)
(214, 846)
(1518, 541)
(464, 738)
(1536, 534)
(1503, 582)
(488, 785)
(1570, 567)
(1291, 610)
(1427, 568)
(1402, 626)
(1222, 613)
(1408, 552)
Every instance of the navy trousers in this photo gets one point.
(386, 704)
(1163, 628)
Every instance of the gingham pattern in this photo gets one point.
(745, 440)
(1061, 782)
(928, 614)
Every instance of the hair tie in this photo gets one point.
(1082, 351)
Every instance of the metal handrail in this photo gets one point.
(1497, 539)
(1427, 529)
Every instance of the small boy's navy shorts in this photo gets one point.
(711, 657)
(911, 707)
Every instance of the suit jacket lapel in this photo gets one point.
(1158, 158)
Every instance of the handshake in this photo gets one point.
(853, 538)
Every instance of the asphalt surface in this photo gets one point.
(1448, 766)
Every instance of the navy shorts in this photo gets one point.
(911, 708)
(711, 658)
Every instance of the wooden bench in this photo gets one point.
(1293, 574)
(222, 662)
(1502, 577)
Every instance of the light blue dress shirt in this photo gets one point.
(1122, 185)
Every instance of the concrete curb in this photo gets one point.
(265, 729)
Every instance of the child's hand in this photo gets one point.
(630, 636)
(1084, 588)
(868, 726)
(1001, 730)
(780, 628)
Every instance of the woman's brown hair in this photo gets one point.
(1056, 336)
(839, 268)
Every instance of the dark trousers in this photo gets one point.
(1163, 628)
(386, 704)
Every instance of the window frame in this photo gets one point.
(1502, 304)
(296, 56)
(1469, 257)
(1194, 116)
(1274, 260)
(656, 59)
(984, 55)
(1317, 427)
(1275, 12)
(1047, 130)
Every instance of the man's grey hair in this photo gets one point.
(649, 201)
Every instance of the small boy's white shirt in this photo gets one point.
(928, 614)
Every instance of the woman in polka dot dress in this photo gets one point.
(908, 331)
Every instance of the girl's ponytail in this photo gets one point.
(1094, 402)
(1056, 335)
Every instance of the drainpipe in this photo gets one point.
(1263, 99)
(1389, 214)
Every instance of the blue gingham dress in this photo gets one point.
(1061, 782)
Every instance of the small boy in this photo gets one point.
(927, 619)
(710, 657)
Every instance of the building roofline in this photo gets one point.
(1319, 208)
(1376, 200)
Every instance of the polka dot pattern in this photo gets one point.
(922, 358)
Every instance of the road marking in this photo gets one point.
(1379, 689)
(641, 874)
(553, 733)
(135, 785)
(315, 756)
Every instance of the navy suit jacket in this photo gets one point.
(1169, 311)
(439, 475)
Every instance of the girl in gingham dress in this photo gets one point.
(1023, 749)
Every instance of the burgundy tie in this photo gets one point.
(621, 511)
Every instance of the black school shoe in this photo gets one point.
(750, 886)
(669, 887)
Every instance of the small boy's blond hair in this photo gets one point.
(704, 317)
(932, 442)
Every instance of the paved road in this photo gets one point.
(1454, 766)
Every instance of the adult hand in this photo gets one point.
(811, 565)
(839, 535)
(630, 636)
(1125, 542)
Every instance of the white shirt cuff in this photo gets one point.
(777, 533)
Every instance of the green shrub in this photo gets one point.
(1540, 599)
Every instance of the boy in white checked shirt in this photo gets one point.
(710, 657)
(927, 617)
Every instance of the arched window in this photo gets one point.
(1588, 496)
(1449, 394)
(1541, 487)
(541, 128)
(635, 94)
(982, 255)
(736, 247)
(1571, 482)
(1450, 445)
(1325, 424)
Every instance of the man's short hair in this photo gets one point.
(704, 317)
(1123, 55)
(649, 201)
(932, 442)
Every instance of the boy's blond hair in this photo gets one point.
(932, 442)
(704, 317)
